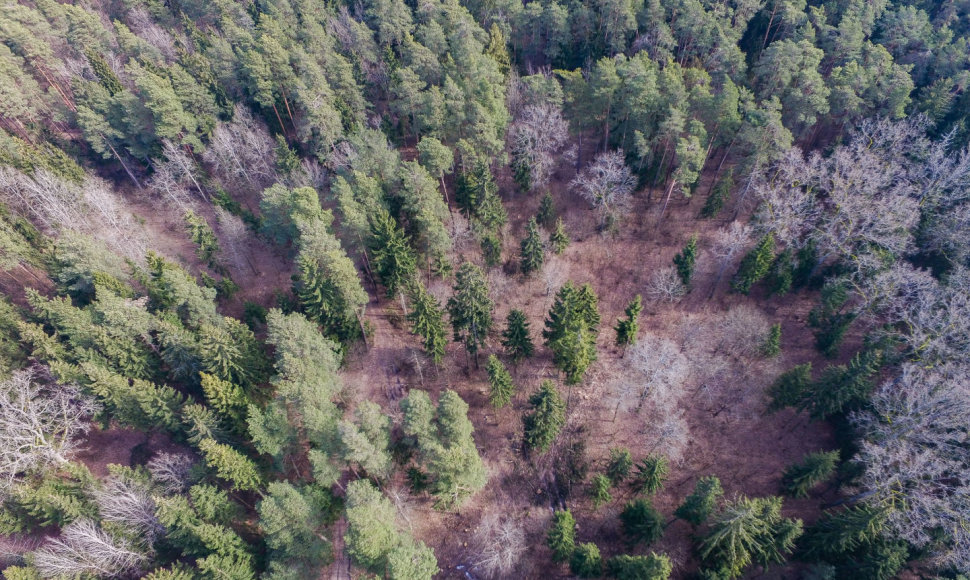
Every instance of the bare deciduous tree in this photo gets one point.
(539, 132)
(665, 285)
(242, 151)
(39, 424)
(607, 184)
(179, 167)
(235, 239)
(128, 504)
(500, 542)
(916, 455)
(662, 371)
(171, 471)
(83, 548)
(727, 246)
(742, 330)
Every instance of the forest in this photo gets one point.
(484, 289)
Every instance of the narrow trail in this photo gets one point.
(340, 569)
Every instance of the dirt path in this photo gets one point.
(340, 569)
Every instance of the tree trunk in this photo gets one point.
(122, 162)
(670, 190)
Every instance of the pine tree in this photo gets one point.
(559, 240)
(748, 531)
(700, 504)
(685, 261)
(391, 255)
(755, 264)
(470, 308)
(547, 417)
(641, 522)
(515, 338)
(533, 252)
(599, 490)
(619, 466)
(546, 216)
(500, 383)
(561, 537)
(586, 561)
(651, 473)
(456, 468)
(628, 329)
(427, 321)
(771, 347)
(800, 478)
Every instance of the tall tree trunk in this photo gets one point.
(670, 190)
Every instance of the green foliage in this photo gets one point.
(628, 329)
(533, 251)
(685, 261)
(546, 215)
(571, 329)
(201, 234)
(559, 240)
(843, 387)
(748, 531)
(390, 251)
(49, 500)
(283, 210)
(771, 346)
(470, 308)
(650, 567)
(830, 319)
(599, 490)
(781, 277)
(800, 478)
(755, 265)
(477, 196)
(719, 195)
(427, 321)
(790, 388)
(21, 573)
(586, 561)
(641, 522)
(651, 474)
(367, 440)
(227, 398)
(516, 339)
(491, 249)
(546, 419)
(619, 466)
(292, 520)
(501, 387)
(231, 465)
(561, 536)
(700, 504)
(854, 540)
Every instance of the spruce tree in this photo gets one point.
(227, 398)
(700, 504)
(546, 419)
(427, 321)
(814, 468)
(391, 255)
(501, 387)
(599, 490)
(651, 473)
(571, 329)
(641, 522)
(619, 466)
(546, 216)
(790, 387)
(559, 240)
(650, 567)
(781, 276)
(719, 195)
(231, 465)
(755, 264)
(561, 537)
(586, 561)
(516, 339)
(470, 308)
(748, 531)
(842, 387)
(628, 329)
(685, 261)
(533, 252)
(771, 346)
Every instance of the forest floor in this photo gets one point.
(716, 425)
